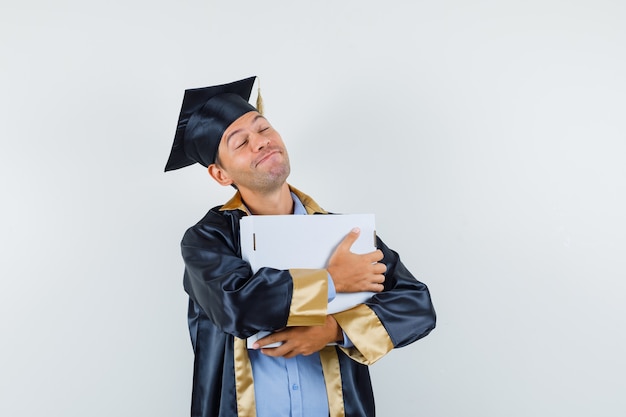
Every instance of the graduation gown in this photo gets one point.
(227, 304)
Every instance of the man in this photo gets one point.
(320, 366)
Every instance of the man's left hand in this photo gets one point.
(301, 340)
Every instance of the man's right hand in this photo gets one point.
(351, 272)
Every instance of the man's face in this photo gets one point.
(252, 155)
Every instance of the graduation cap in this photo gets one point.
(205, 115)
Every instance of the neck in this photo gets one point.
(275, 202)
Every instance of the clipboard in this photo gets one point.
(292, 241)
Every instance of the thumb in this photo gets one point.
(349, 240)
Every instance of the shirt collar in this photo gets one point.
(298, 207)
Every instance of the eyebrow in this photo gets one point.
(233, 133)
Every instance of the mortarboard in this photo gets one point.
(204, 116)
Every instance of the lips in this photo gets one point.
(265, 156)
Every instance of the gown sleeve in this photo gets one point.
(237, 301)
(399, 315)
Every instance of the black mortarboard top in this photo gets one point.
(204, 117)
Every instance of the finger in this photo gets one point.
(376, 283)
(379, 268)
(274, 352)
(268, 340)
(375, 256)
(349, 240)
(286, 350)
(278, 351)
(376, 278)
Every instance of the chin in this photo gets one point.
(273, 181)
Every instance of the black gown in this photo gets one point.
(225, 309)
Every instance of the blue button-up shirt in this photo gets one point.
(292, 387)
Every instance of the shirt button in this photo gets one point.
(294, 387)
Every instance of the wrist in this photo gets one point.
(339, 336)
(337, 286)
(338, 332)
(335, 334)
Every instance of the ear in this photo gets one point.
(219, 175)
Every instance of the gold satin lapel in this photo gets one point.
(363, 327)
(244, 383)
(310, 297)
(235, 203)
(332, 377)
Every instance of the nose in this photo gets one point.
(261, 142)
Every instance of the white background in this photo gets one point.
(487, 136)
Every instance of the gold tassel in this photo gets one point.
(259, 99)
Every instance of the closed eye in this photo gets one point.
(242, 143)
